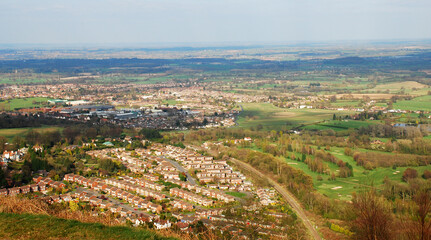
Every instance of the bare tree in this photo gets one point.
(419, 226)
(373, 216)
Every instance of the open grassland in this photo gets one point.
(339, 125)
(342, 188)
(237, 194)
(372, 96)
(18, 103)
(410, 87)
(27, 226)
(272, 117)
(4, 80)
(419, 103)
(10, 133)
(160, 79)
(346, 103)
(396, 86)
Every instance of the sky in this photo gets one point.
(211, 21)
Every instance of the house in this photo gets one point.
(34, 188)
(182, 226)
(56, 199)
(113, 208)
(66, 197)
(69, 177)
(162, 224)
(25, 189)
(95, 201)
(14, 191)
(3, 192)
(42, 187)
(38, 179)
(188, 219)
(155, 207)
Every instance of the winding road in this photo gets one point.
(296, 206)
(190, 179)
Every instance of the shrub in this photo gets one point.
(409, 173)
(427, 174)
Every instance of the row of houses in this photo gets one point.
(144, 183)
(23, 190)
(265, 196)
(182, 205)
(41, 185)
(12, 156)
(209, 170)
(120, 193)
(133, 187)
(205, 191)
(95, 201)
(49, 182)
(191, 197)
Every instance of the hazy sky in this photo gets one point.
(190, 21)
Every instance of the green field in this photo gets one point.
(18, 103)
(27, 226)
(23, 80)
(271, 117)
(339, 125)
(237, 194)
(346, 103)
(10, 133)
(171, 102)
(419, 103)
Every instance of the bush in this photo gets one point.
(336, 228)
(409, 173)
(427, 174)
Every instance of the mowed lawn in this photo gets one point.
(18, 103)
(271, 117)
(419, 103)
(10, 133)
(342, 188)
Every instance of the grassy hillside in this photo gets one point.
(10, 133)
(272, 117)
(27, 226)
(419, 103)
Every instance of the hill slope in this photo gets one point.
(28, 226)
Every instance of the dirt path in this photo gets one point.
(296, 206)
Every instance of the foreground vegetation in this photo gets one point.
(28, 226)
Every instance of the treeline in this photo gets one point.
(389, 131)
(215, 134)
(371, 160)
(71, 134)
(28, 120)
(418, 146)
